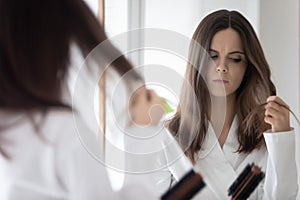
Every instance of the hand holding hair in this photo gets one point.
(277, 114)
(146, 107)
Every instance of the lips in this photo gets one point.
(220, 81)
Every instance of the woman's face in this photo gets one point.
(228, 63)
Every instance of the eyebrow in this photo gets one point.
(232, 52)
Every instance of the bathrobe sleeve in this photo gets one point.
(281, 171)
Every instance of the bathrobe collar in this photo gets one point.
(217, 164)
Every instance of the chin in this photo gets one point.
(220, 93)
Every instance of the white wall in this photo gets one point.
(279, 34)
(279, 25)
(184, 16)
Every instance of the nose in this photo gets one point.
(222, 69)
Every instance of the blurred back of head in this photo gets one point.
(35, 38)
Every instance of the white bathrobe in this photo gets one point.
(220, 167)
(52, 163)
(49, 163)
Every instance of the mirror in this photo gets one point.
(275, 21)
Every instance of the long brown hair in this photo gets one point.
(253, 91)
(35, 38)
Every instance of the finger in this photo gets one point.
(147, 94)
(278, 114)
(277, 100)
(155, 98)
(274, 106)
(272, 113)
(151, 94)
(277, 120)
(282, 109)
(269, 120)
(141, 93)
(137, 97)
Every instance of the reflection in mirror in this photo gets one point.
(275, 22)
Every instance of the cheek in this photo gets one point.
(209, 73)
(239, 76)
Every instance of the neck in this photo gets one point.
(221, 115)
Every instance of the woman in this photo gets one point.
(41, 156)
(225, 127)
